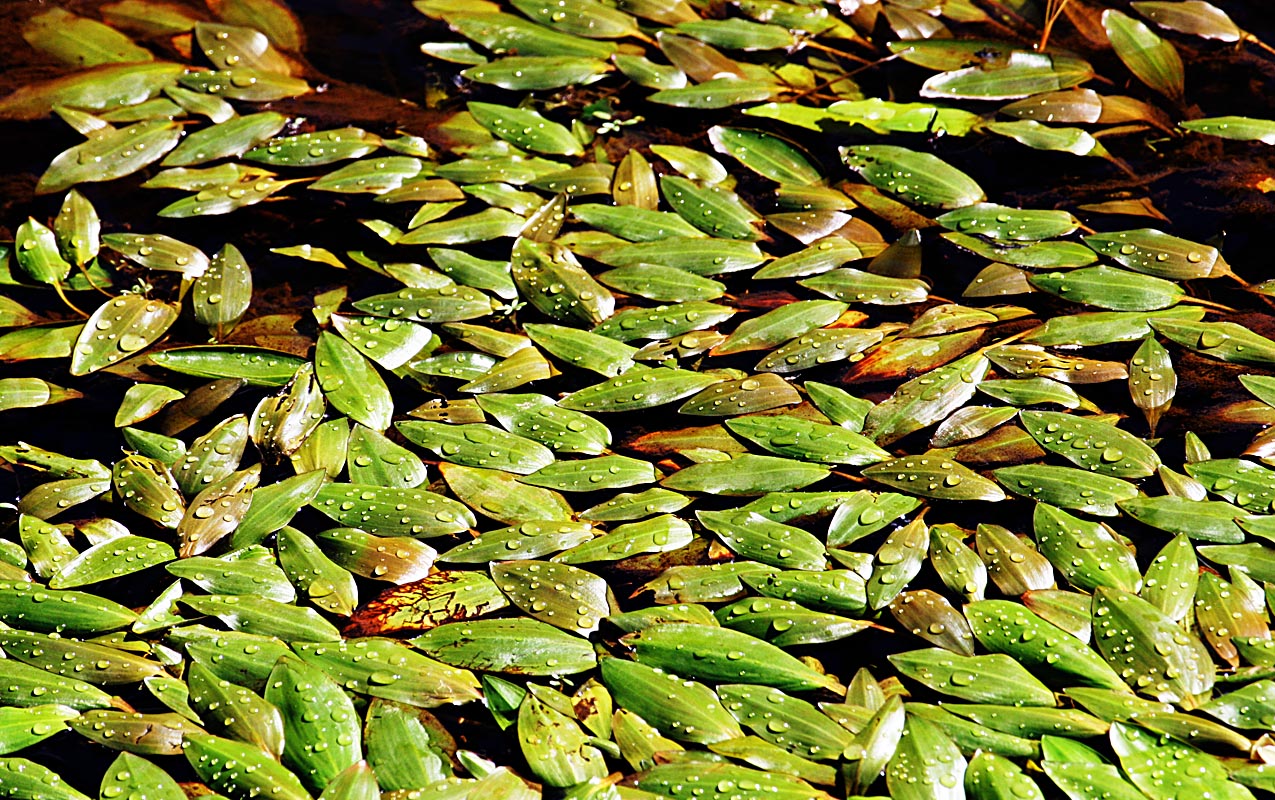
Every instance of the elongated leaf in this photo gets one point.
(1151, 59)
(915, 177)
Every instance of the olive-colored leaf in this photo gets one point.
(1151, 59)
(265, 617)
(913, 176)
(118, 329)
(559, 594)
(935, 477)
(109, 154)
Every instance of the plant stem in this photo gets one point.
(1053, 10)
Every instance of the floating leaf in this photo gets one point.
(1149, 649)
(1151, 59)
(110, 154)
(682, 709)
(915, 177)
(939, 478)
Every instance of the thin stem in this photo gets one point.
(1006, 340)
(57, 287)
(85, 272)
(1248, 37)
(1053, 10)
(833, 51)
(1200, 301)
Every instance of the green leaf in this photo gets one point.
(925, 400)
(856, 286)
(551, 278)
(785, 721)
(590, 474)
(376, 507)
(559, 594)
(1154, 253)
(711, 209)
(683, 710)
(926, 766)
(222, 295)
(557, 751)
(350, 383)
(914, 177)
(1105, 287)
(1227, 341)
(231, 138)
(38, 255)
(1033, 134)
(540, 419)
(508, 646)
(500, 496)
(1151, 652)
(526, 129)
(369, 175)
(779, 325)
(474, 444)
(265, 617)
(1066, 487)
(746, 475)
(981, 679)
(324, 583)
(1161, 770)
(1020, 75)
(1097, 446)
(504, 32)
(754, 537)
(935, 477)
(317, 746)
(710, 779)
(1206, 521)
(806, 440)
(1103, 327)
(256, 365)
(1243, 483)
(1245, 129)
(1052, 254)
(722, 92)
(993, 777)
(640, 390)
(634, 224)
(240, 769)
(697, 255)
(95, 663)
(405, 747)
(109, 154)
(663, 322)
(115, 558)
(1016, 631)
(822, 346)
(766, 154)
(1005, 223)
(527, 73)
(721, 654)
(1151, 59)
